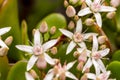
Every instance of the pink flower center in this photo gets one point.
(96, 56)
(78, 37)
(37, 50)
(95, 7)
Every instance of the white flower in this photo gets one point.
(95, 7)
(28, 76)
(77, 38)
(60, 72)
(38, 49)
(95, 57)
(4, 30)
(102, 76)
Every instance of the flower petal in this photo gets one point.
(84, 12)
(67, 33)
(80, 50)
(88, 2)
(25, 48)
(91, 76)
(101, 65)
(104, 52)
(49, 76)
(70, 47)
(95, 44)
(37, 37)
(79, 26)
(31, 62)
(28, 76)
(107, 9)
(87, 35)
(70, 65)
(70, 75)
(82, 45)
(2, 44)
(4, 30)
(98, 19)
(97, 68)
(49, 59)
(105, 75)
(87, 65)
(49, 44)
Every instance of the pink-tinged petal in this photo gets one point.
(70, 75)
(2, 44)
(37, 37)
(98, 19)
(25, 48)
(88, 2)
(49, 44)
(87, 65)
(67, 33)
(4, 30)
(97, 68)
(79, 26)
(49, 76)
(49, 59)
(87, 35)
(91, 76)
(97, 1)
(28, 76)
(101, 65)
(107, 9)
(82, 44)
(95, 44)
(70, 65)
(105, 76)
(31, 62)
(104, 52)
(84, 12)
(70, 47)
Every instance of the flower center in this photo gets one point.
(96, 55)
(95, 6)
(78, 37)
(37, 50)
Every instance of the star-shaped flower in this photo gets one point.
(60, 72)
(102, 76)
(95, 57)
(95, 7)
(77, 38)
(38, 50)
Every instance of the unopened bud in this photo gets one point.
(53, 30)
(41, 63)
(84, 77)
(103, 46)
(71, 25)
(110, 15)
(73, 1)
(9, 40)
(66, 3)
(33, 73)
(89, 22)
(33, 31)
(53, 50)
(101, 39)
(115, 3)
(90, 39)
(3, 51)
(76, 54)
(80, 66)
(70, 11)
(76, 18)
(43, 27)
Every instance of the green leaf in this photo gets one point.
(54, 19)
(4, 68)
(9, 17)
(114, 67)
(116, 56)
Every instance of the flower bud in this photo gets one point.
(73, 1)
(89, 22)
(101, 39)
(3, 51)
(66, 3)
(53, 30)
(9, 40)
(103, 46)
(53, 50)
(71, 25)
(33, 73)
(76, 54)
(115, 3)
(70, 11)
(84, 77)
(43, 27)
(80, 66)
(110, 15)
(76, 18)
